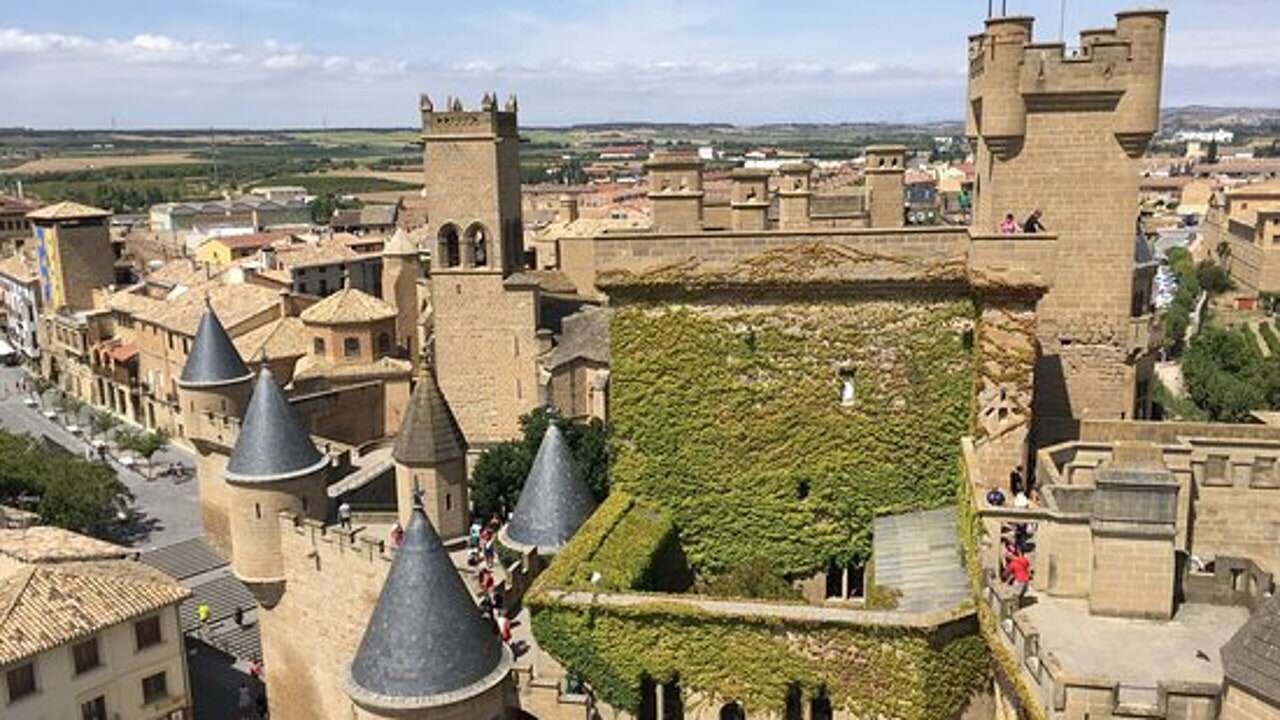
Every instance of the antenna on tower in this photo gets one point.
(1062, 23)
(990, 8)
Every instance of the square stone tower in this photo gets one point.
(1040, 118)
(885, 174)
(485, 313)
(675, 189)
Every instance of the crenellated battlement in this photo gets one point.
(330, 543)
(1116, 69)
(454, 119)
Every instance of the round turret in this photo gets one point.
(554, 502)
(274, 468)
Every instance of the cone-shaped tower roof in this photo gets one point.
(272, 444)
(429, 433)
(425, 638)
(555, 500)
(213, 359)
(400, 244)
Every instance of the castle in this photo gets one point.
(815, 395)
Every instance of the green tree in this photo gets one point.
(322, 208)
(1213, 277)
(66, 491)
(1211, 156)
(102, 423)
(145, 444)
(501, 470)
(1224, 374)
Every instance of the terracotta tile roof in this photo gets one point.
(346, 306)
(286, 337)
(308, 367)
(179, 272)
(10, 204)
(252, 240)
(131, 302)
(44, 544)
(123, 352)
(17, 267)
(233, 303)
(67, 211)
(305, 255)
(45, 606)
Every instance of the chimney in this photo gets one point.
(568, 208)
(20, 193)
(675, 189)
(795, 196)
(286, 303)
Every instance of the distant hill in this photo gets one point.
(1204, 117)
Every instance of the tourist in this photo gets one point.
(504, 627)
(1009, 226)
(995, 498)
(202, 615)
(344, 515)
(1033, 224)
(1033, 498)
(486, 580)
(1015, 481)
(262, 705)
(239, 615)
(489, 552)
(397, 535)
(473, 537)
(1019, 574)
(486, 607)
(1020, 500)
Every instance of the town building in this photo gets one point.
(1246, 222)
(15, 228)
(73, 252)
(20, 304)
(253, 211)
(368, 219)
(87, 631)
(228, 249)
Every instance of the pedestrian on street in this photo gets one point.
(504, 627)
(202, 615)
(397, 535)
(489, 552)
(344, 515)
(1019, 574)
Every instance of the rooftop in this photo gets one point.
(233, 303)
(555, 500)
(283, 338)
(429, 433)
(272, 444)
(47, 544)
(1252, 657)
(15, 266)
(44, 606)
(213, 358)
(250, 241)
(348, 306)
(918, 554)
(68, 211)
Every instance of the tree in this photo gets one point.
(322, 208)
(1211, 156)
(66, 491)
(502, 469)
(146, 444)
(102, 423)
(1213, 277)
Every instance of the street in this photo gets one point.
(165, 510)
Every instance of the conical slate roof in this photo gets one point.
(425, 637)
(429, 433)
(272, 444)
(213, 359)
(555, 500)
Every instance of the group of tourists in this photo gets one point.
(1017, 538)
(1032, 224)
(482, 552)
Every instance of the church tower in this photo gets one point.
(213, 392)
(274, 468)
(431, 458)
(426, 653)
(401, 268)
(485, 312)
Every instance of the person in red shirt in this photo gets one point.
(1020, 574)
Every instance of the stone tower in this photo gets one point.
(401, 268)
(795, 195)
(484, 317)
(885, 175)
(426, 653)
(1040, 119)
(431, 458)
(213, 392)
(749, 200)
(73, 248)
(554, 502)
(273, 468)
(675, 189)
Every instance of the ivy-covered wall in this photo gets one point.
(726, 412)
(888, 672)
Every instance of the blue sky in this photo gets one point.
(301, 63)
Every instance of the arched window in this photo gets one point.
(449, 249)
(478, 245)
(317, 346)
(384, 344)
(732, 711)
(351, 347)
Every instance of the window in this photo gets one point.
(257, 511)
(95, 709)
(351, 347)
(477, 245)
(448, 501)
(21, 681)
(85, 655)
(449, 248)
(154, 688)
(147, 632)
(846, 387)
(324, 287)
(384, 344)
(317, 346)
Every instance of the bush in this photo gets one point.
(1213, 277)
(754, 578)
(1225, 376)
(1269, 337)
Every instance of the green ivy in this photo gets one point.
(889, 672)
(729, 417)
